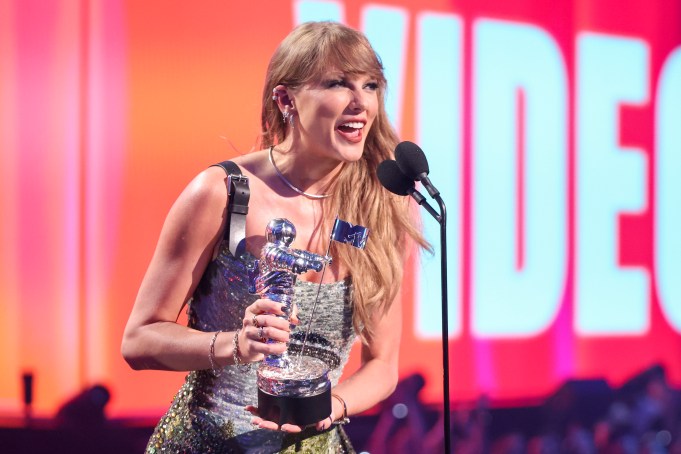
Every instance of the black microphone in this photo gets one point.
(392, 178)
(413, 163)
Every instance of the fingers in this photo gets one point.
(291, 428)
(264, 332)
(253, 343)
(261, 313)
(324, 423)
(267, 321)
(260, 324)
(294, 315)
(265, 424)
(262, 306)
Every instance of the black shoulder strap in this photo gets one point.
(238, 194)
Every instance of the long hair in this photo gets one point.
(357, 195)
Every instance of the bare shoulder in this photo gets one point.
(209, 186)
(200, 206)
(208, 190)
(251, 158)
(254, 165)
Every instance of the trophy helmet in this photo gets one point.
(280, 231)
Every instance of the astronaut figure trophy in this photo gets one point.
(291, 389)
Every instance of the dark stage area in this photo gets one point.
(582, 416)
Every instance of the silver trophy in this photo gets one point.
(293, 390)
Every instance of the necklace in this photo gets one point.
(291, 185)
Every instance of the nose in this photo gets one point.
(358, 100)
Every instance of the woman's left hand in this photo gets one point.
(289, 428)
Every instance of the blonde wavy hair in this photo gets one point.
(357, 195)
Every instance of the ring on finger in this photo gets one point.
(261, 333)
(255, 321)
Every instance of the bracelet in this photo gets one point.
(344, 419)
(211, 353)
(243, 367)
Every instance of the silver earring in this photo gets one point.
(290, 120)
(285, 116)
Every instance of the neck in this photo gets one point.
(311, 174)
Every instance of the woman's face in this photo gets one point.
(334, 114)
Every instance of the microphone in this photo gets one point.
(413, 163)
(392, 178)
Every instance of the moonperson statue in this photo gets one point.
(278, 266)
(290, 390)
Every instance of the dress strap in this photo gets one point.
(238, 194)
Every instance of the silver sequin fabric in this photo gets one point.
(207, 414)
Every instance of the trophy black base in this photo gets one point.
(301, 411)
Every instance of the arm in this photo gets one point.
(376, 379)
(152, 338)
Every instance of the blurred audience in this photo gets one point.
(582, 417)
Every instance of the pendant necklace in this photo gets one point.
(291, 185)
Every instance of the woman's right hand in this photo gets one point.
(261, 323)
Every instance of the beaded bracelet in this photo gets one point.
(211, 353)
(243, 367)
(344, 419)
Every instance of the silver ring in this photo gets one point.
(261, 334)
(255, 321)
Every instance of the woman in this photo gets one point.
(325, 131)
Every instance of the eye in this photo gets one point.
(372, 86)
(335, 83)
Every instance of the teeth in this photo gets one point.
(354, 124)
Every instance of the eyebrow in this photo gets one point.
(329, 74)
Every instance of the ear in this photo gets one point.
(282, 96)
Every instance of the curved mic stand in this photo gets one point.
(445, 318)
(442, 220)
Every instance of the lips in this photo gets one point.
(351, 131)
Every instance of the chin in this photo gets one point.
(352, 154)
(351, 158)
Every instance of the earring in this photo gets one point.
(274, 94)
(285, 116)
(290, 120)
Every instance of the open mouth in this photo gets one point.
(351, 130)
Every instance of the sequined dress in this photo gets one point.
(207, 415)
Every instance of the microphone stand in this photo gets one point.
(442, 220)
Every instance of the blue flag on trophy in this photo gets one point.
(354, 235)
